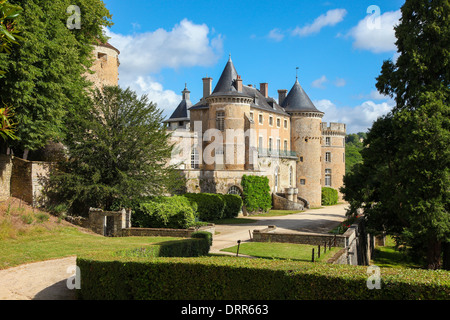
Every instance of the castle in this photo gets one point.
(237, 129)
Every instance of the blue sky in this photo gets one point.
(337, 45)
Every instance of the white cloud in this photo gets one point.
(340, 82)
(357, 119)
(145, 54)
(276, 35)
(318, 83)
(330, 18)
(376, 34)
(166, 100)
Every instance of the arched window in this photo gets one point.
(235, 190)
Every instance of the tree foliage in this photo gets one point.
(117, 152)
(44, 80)
(403, 181)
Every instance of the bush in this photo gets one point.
(256, 193)
(227, 278)
(210, 206)
(165, 212)
(233, 205)
(329, 196)
(203, 235)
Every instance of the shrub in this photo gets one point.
(233, 205)
(227, 278)
(256, 193)
(329, 196)
(165, 212)
(210, 206)
(203, 235)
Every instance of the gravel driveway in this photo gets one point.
(47, 280)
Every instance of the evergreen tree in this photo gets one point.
(117, 153)
(404, 178)
(44, 75)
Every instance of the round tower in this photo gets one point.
(228, 105)
(306, 139)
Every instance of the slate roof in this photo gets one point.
(181, 113)
(298, 100)
(227, 86)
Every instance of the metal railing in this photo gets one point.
(275, 153)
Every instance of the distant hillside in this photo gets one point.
(353, 147)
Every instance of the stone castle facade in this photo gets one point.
(237, 129)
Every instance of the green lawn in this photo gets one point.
(63, 242)
(390, 257)
(274, 213)
(276, 250)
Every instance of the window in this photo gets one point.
(270, 144)
(285, 124)
(194, 158)
(328, 177)
(302, 182)
(327, 156)
(261, 119)
(278, 122)
(285, 145)
(235, 190)
(301, 159)
(278, 146)
(260, 144)
(220, 120)
(270, 121)
(327, 141)
(251, 115)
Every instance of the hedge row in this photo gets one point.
(228, 278)
(195, 247)
(329, 196)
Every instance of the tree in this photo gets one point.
(403, 181)
(117, 153)
(44, 79)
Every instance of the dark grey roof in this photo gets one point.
(227, 81)
(260, 102)
(181, 112)
(298, 100)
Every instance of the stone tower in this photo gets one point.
(105, 66)
(228, 107)
(306, 136)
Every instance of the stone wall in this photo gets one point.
(109, 223)
(28, 179)
(5, 176)
(164, 232)
(279, 202)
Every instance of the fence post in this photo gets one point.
(312, 258)
(318, 252)
(325, 247)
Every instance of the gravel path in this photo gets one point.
(47, 280)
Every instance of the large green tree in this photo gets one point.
(44, 80)
(403, 182)
(117, 153)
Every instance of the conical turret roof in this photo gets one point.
(298, 100)
(182, 110)
(227, 81)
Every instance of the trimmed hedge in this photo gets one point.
(233, 205)
(256, 193)
(165, 212)
(329, 196)
(197, 246)
(210, 206)
(228, 278)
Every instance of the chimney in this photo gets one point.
(239, 84)
(207, 87)
(264, 89)
(281, 95)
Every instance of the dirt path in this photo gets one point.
(47, 280)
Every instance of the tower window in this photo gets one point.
(194, 158)
(285, 124)
(220, 120)
(328, 177)
(327, 141)
(302, 182)
(327, 156)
